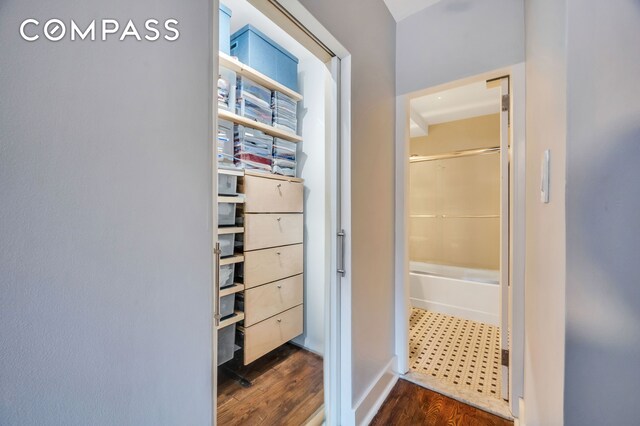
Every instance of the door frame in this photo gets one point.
(337, 351)
(516, 75)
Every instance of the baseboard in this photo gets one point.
(317, 418)
(456, 311)
(300, 345)
(369, 404)
(520, 420)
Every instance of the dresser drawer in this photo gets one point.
(270, 299)
(267, 335)
(265, 266)
(265, 195)
(271, 230)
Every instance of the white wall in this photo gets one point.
(603, 200)
(453, 39)
(367, 30)
(312, 161)
(545, 223)
(105, 236)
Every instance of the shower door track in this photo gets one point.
(455, 154)
(459, 216)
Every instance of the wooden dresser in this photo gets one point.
(273, 262)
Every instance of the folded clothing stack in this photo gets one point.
(284, 157)
(285, 112)
(252, 149)
(253, 101)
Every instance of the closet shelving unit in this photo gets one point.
(239, 68)
(236, 258)
(233, 64)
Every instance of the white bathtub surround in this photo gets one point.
(472, 294)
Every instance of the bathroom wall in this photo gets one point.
(469, 133)
(466, 186)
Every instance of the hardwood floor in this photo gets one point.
(287, 389)
(410, 404)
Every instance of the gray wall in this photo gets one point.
(546, 105)
(602, 372)
(105, 255)
(367, 30)
(454, 39)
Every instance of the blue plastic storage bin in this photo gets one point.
(255, 49)
(224, 31)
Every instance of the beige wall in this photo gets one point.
(465, 186)
(476, 132)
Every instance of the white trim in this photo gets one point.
(375, 395)
(345, 363)
(402, 304)
(419, 121)
(505, 219)
(521, 419)
(518, 152)
(213, 131)
(332, 297)
(516, 72)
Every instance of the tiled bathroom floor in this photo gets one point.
(461, 352)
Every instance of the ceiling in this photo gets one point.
(462, 102)
(400, 9)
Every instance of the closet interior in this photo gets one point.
(275, 100)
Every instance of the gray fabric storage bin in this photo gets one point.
(226, 214)
(227, 244)
(227, 275)
(227, 184)
(227, 305)
(226, 343)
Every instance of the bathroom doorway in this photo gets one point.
(455, 252)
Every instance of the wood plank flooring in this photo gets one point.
(410, 404)
(287, 389)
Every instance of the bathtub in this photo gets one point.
(472, 294)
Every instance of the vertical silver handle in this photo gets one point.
(216, 290)
(340, 262)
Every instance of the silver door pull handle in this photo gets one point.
(340, 260)
(216, 290)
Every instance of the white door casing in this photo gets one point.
(504, 233)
